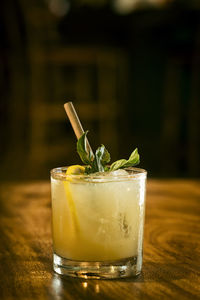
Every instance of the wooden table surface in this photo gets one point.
(171, 265)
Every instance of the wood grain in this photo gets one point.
(171, 265)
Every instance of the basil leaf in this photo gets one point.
(106, 169)
(102, 157)
(82, 151)
(97, 163)
(88, 170)
(133, 160)
(118, 164)
(105, 158)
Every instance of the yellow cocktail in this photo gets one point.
(97, 222)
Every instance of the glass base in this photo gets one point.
(97, 270)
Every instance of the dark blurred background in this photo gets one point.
(131, 67)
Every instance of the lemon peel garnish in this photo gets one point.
(75, 170)
(72, 170)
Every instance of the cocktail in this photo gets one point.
(98, 223)
(98, 216)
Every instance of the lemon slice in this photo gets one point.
(73, 170)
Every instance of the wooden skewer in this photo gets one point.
(76, 124)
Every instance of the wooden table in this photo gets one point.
(171, 265)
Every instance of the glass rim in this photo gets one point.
(57, 173)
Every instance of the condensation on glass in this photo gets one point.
(97, 223)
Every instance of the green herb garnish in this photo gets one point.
(98, 162)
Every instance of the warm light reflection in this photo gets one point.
(127, 6)
(97, 288)
(56, 285)
(59, 7)
(112, 269)
(84, 284)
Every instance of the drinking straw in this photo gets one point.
(76, 124)
(78, 130)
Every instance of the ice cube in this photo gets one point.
(116, 173)
(119, 172)
(110, 176)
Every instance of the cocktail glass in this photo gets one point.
(97, 223)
